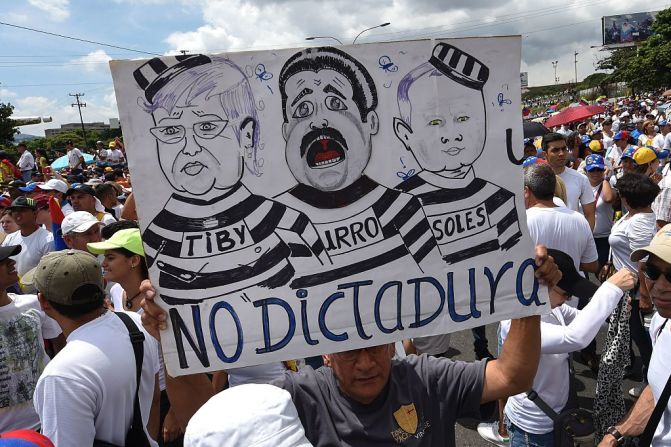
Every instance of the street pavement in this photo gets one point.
(462, 349)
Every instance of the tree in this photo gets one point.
(648, 66)
(7, 129)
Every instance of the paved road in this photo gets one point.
(462, 343)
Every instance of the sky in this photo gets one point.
(38, 72)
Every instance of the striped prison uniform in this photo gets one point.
(468, 216)
(363, 227)
(209, 248)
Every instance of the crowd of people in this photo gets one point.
(598, 209)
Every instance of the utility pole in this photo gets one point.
(575, 66)
(554, 65)
(79, 106)
(183, 52)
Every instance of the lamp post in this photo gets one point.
(324, 37)
(368, 29)
(554, 65)
(357, 36)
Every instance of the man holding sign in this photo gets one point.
(363, 397)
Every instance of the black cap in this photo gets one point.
(23, 202)
(572, 282)
(9, 250)
(68, 142)
(16, 184)
(81, 188)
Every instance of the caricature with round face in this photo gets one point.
(329, 120)
(443, 123)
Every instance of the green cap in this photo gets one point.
(129, 239)
(60, 273)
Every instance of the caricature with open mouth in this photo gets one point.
(324, 148)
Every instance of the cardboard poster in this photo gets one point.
(305, 201)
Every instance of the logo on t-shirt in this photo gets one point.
(409, 423)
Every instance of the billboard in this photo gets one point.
(524, 79)
(627, 29)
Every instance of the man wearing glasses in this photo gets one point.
(657, 272)
(578, 189)
(207, 134)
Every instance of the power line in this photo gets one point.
(35, 30)
(53, 85)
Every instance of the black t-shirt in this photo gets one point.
(419, 407)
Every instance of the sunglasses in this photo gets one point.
(653, 273)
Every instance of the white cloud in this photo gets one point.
(95, 61)
(6, 94)
(58, 10)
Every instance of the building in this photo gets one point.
(74, 127)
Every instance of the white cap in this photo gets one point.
(624, 114)
(55, 185)
(252, 415)
(78, 222)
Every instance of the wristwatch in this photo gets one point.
(615, 433)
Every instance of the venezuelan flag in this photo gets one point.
(56, 221)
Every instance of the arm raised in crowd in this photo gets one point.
(514, 371)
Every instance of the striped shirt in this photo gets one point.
(364, 226)
(468, 216)
(209, 248)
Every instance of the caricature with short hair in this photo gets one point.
(328, 102)
(443, 124)
(214, 236)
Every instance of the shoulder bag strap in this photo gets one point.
(646, 438)
(540, 403)
(136, 431)
(598, 194)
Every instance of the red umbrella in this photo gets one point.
(572, 114)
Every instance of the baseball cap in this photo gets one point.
(663, 154)
(5, 201)
(594, 161)
(129, 239)
(109, 169)
(68, 142)
(23, 202)
(585, 139)
(78, 222)
(644, 155)
(621, 135)
(99, 142)
(663, 123)
(24, 438)
(30, 187)
(16, 184)
(253, 415)
(8, 251)
(624, 114)
(572, 282)
(596, 146)
(81, 188)
(112, 144)
(54, 185)
(660, 246)
(60, 273)
(533, 161)
(628, 153)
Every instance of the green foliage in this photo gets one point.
(647, 67)
(7, 129)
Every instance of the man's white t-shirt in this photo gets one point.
(87, 391)
(578, 189)
(33, 247)
(667, 141)
(658, 142)
(629, 234)
(26, 161)
(565, 230)
(607, 141)
(658, 374)
(74, 158)
(23, 327)
(114, 156)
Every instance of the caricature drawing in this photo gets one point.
(443, 124)
(328, 102)
(214, 236)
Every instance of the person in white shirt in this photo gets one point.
(34, 240)
(83, 198)
(87, 391)
(26, 162)
(75, 158)
(578, 191)
(661, 141)
(608, 134)
(114, 155)
(563, 330)
(22, 354)
(604, 195)
(657, 277)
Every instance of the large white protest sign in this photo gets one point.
(306, 201)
